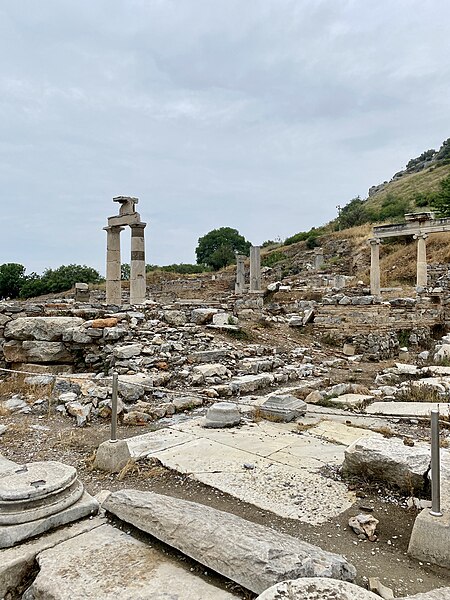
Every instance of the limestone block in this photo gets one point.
(104, 323)
(252, 555)
(284, 407)
(125, 352)
(316, 589)
(186, 402)
(177, 318)
(39, 352)
(222, 414)
(13, 534)
(210, 370)
(17, 563)
(46, 329)
(200, 316)
(107, 564)
(112, 456)
(388, 461)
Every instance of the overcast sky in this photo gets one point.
(261, 115)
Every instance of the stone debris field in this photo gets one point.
(271, 445)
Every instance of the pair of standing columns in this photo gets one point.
(421, 274)
(255, 271)
(113, 265)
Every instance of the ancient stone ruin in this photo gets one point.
(116, 224)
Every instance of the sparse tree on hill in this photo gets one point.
(441, 202)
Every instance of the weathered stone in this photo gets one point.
(186, 402)
(17, 563)
(388, 461)
(80, 411)
(112, 456)
(365, 525)
(284, 407)
(316, 589)
(104, 323)
(222, 414)
(210, 370)
(200, 316)
(177, 318)
(107, 564)
(252, 555)
(46, 329)
(314, 397)
(40, 352)
(125, 352)
(13, 534)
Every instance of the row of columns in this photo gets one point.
(421, 273)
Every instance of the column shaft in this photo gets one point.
(421, 281)
(240, 274)
(138, 283)
(255, 269)
(375, 266)
(113, 264)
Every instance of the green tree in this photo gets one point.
(218, 247)
(354, 213)
(125, 271)
(12, 277)
(441, 203)
(58, 280)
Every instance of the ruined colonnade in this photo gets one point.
(116, 224)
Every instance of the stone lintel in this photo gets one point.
(120, 220)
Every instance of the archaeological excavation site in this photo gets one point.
(278, 428)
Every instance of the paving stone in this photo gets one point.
(316, 589)
(107, 564)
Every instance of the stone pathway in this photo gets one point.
(270, 465)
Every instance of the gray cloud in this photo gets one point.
(260, 115)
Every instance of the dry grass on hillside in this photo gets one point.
(410, 185)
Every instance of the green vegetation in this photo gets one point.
(12, 277)
(441, 202)
(14, 283)
(181, 268)
(271, 259)
(217, 248)
(310, 237)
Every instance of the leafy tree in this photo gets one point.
(444, 151)
(12, 277)
(218, 247)
(58, 280)
(354, 213)
(441, 202)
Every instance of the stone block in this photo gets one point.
(45, 329)
(430, 538)
(222, 414)
(39, 352)
(112, 456)
(106, 564)
(283, 407)
(250, 554)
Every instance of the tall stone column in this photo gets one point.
(113, 274)
(255, 269)
(138, 283)
(375, 266)
(318, 258)
(239, 286)
(421, 281)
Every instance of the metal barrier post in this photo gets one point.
(115, 385)
(435, 466)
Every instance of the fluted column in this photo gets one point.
(113, 274)
(375, 266)
(421, 280)
(255, 269)
(138, 284)
(240, 274)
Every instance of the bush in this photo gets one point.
(271, 259)
(58, 280)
